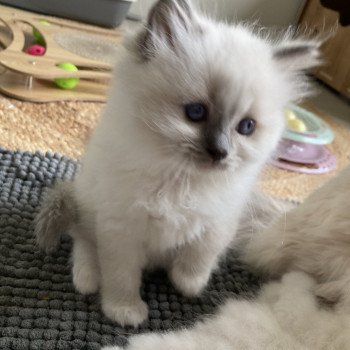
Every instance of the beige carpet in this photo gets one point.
(64, 127)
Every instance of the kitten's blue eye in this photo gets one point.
(246, 126)
(196, 112)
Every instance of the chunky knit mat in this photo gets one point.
(39, 309)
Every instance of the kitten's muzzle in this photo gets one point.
(218, 146)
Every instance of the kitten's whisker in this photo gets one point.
(149, 125)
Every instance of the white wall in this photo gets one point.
(270, 12)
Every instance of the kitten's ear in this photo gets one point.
(297, 55)
(167, 21)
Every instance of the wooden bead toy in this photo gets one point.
(31, 78)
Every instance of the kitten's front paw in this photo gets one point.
(132, 314)
(189, 284)
(85, 279)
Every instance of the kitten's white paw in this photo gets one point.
(189, 285)
(85, 279)
(132, 314)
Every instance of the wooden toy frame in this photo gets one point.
(31, 78)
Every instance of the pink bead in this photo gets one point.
(36, 50)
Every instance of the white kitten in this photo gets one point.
(285, 316)
(315, 238)
(194, 112)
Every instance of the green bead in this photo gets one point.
(37, 35)
(39, 39)
(67, 83)
(44, 22)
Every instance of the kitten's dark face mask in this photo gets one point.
(216, 130)
(216, 142)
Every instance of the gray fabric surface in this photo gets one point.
(39, 308)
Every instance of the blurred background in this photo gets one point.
(269, 12)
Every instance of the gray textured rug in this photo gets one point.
(39, 308)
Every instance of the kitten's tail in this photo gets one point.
(58, 212)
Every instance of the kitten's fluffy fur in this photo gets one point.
(314, 238)
(149, 193)
(285, 316)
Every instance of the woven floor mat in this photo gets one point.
(39, 308)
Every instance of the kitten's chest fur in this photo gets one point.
(177, 213)
(171, 231)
